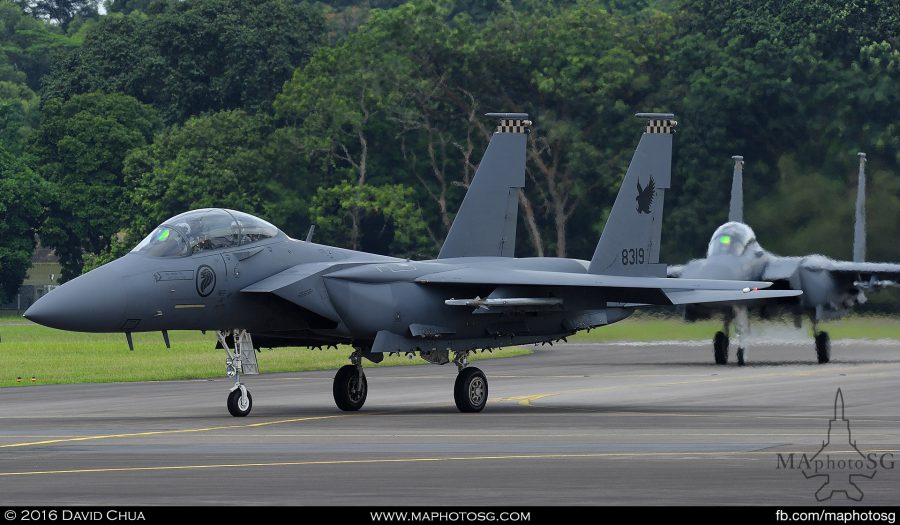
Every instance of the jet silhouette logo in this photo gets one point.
(839, 465)
(645, 195)
(206, 281)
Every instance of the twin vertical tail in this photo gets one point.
(859, 228)
(485, 225)
(630, 242)
(736, 207)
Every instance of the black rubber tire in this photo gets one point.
(740, 356)
(470, 390)
(234, 403)
(823, 348)
(720, 348)
(350, 388)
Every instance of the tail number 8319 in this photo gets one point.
(632, 256)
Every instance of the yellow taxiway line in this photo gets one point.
(376, 461)
(176, 431)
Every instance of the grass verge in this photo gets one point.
(54, 356)
(647, 328)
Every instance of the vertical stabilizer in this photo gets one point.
(736, 207)
(630, 241)
(486, 222)
(859, 228)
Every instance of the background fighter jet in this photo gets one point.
(223, 270)
(830, 288)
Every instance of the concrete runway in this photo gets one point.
(573, 424)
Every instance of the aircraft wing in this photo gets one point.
(890, 270)
(866, 275)
(858, 274)
(633, 290)
(782, 268)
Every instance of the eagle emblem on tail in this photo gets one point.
(645, 195)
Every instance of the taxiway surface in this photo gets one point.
(575, 424)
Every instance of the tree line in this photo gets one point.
(365, 118)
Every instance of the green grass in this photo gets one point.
(53, 356)
(648, 328)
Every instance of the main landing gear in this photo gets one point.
(720, 348)
(240, 361)
(741, 319)
(471, 388)
(350, 386)
(823, 347)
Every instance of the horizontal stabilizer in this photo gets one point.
(725, 296)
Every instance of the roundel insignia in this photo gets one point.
(206, 280)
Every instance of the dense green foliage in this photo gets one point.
(364, 117)
(186, 58)
(81, 144)
(22, 197)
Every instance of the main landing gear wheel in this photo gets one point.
(823, 347)
(350, 388)
(720, 348)
(471, 390)
(740, 356)
(239, 404)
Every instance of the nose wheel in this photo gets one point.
(239, 401)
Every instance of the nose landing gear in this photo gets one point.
(240, 361)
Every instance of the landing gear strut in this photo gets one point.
(350, 386)
(741, 328)
(240, 361)
(471, 388)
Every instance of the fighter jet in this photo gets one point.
(236, 274)
(830, 288)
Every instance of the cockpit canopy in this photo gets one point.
(731, 238)
(202, 230)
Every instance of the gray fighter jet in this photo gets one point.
(223, 270)
(830, 288)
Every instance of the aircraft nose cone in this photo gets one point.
(93, 302)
